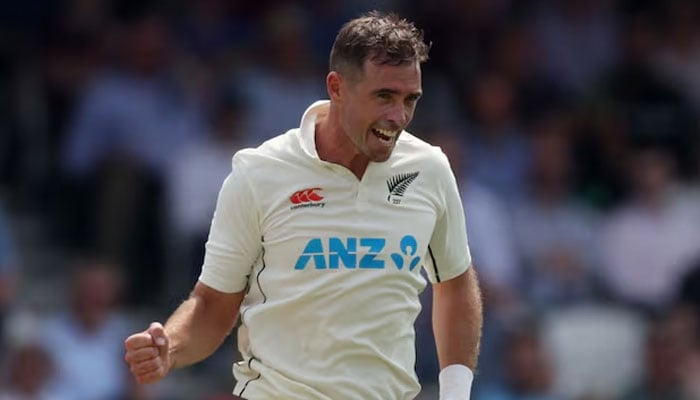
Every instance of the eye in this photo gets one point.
(384, 95)
(411, 100)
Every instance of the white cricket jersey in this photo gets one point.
(332, 264)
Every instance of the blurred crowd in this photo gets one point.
(572, 127)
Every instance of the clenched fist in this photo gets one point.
(147, 354)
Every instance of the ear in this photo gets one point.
(334, 83)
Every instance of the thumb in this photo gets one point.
(157, 333)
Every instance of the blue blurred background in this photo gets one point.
(572, 126)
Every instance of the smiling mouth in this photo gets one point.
(385, 137)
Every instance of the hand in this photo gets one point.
(147, 354)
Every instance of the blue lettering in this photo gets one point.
(376, 245)
(345, 252)
(398, 260)
(313, 249)
(409, 247)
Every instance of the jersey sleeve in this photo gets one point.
(234, 241)
(448, 252)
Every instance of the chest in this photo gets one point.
(331, 220)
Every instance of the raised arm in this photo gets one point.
(193, 332)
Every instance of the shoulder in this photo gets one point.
(419, 154)
(282, 148)
(411, 147)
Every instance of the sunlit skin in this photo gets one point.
(379, 97)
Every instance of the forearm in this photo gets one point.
(457, 320)
(198, 327)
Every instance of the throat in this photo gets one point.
(333, 147)
(358, 165)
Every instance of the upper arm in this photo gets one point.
(220, 307)
(448, 251)
(235, 237)
(464, 282)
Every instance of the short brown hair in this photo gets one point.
(381, 38)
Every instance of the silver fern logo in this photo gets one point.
(398, 184)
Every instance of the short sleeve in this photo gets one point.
(448, 252)
(234, 242)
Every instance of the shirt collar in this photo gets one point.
(307, 129)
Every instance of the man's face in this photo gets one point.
(376, 105)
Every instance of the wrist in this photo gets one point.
(455, 382)
(172, 358)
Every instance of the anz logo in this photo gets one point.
(357, 253)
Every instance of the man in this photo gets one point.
(317, 237)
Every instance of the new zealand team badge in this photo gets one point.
(398, 184)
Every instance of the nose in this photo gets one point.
(399, 115)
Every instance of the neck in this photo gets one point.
(333, 145)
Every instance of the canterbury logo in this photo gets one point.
(398, 184)
(306, 196)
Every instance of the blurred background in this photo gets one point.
(572, 126)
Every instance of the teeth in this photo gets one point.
(386, 133)
(385, 142)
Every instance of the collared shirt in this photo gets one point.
(332, 264)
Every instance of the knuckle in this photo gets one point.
(150, 377)
(137, 368)
(144, 354)
(149, 366)
(139, 357)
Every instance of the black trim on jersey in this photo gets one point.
(250, 361)
(257, 280)
(257, 277)
(432, 257)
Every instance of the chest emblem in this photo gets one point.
(398, 184)
(307, 198)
